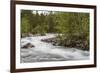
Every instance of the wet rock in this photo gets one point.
(28, 45)
(55, 43)
(49, 40)
(23, 35)
(30, 35)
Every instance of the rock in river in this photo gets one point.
(28, 45)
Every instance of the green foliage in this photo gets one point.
(24, 25)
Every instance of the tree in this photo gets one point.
(24, 25)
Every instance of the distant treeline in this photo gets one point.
(74, 26)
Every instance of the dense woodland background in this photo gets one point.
(72, 28)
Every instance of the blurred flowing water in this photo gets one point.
(43, 51)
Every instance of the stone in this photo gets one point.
(28, 45)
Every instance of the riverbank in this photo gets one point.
(60, 40)
(76, 42)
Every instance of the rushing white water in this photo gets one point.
(47, 52)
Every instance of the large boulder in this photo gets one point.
(28, 45)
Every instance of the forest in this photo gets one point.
(72, 28)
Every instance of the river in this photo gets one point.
(43, 51)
